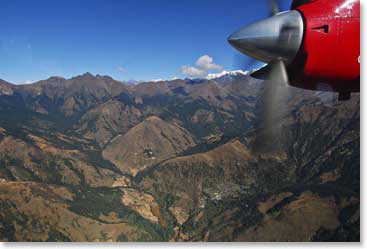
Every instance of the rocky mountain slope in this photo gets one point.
(148, 143)
(93, 159)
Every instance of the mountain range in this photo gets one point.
(93, 159)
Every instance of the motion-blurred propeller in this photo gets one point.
(273, 108)
(276, 41)
(274, 7)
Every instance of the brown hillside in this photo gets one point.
(146, 144)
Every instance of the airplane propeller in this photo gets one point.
(275, 41)
(274, 7)
(244, 63)
(273, 107)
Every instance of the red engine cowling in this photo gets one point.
(330, 51)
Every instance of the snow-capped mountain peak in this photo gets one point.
(224, 73)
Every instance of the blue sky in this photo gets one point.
(125, 39)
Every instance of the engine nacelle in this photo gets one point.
(318, 41)
(330, 52)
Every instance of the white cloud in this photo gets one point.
(193, 72)
(203, 66)
(121, 69)
(205, 62)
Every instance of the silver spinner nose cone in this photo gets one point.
(274, 38)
